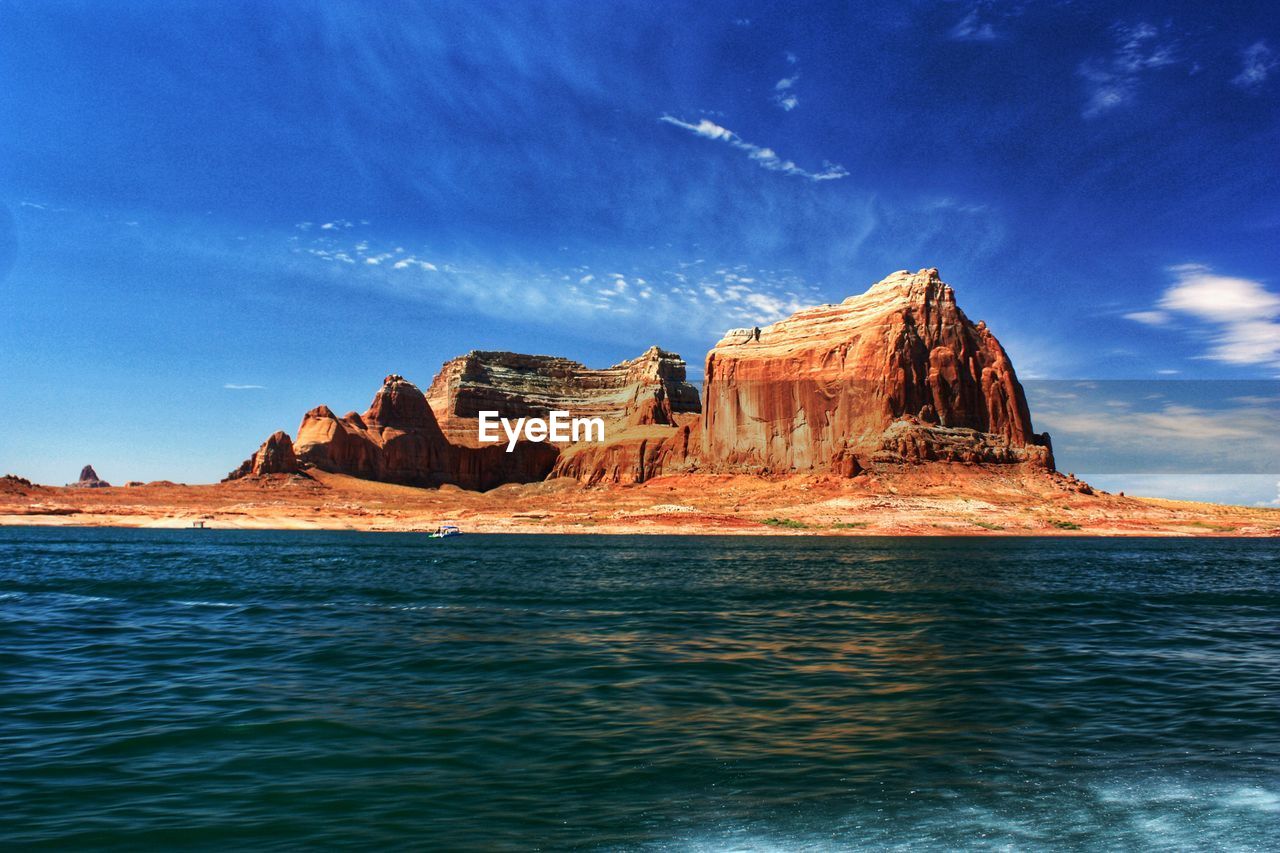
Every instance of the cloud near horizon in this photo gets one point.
(764, 157)
(1172, 426)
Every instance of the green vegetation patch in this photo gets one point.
(1216, 528)
(785, 522)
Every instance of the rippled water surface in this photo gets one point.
(253, 690)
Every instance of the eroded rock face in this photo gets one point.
(431, 439)
(89, 480)
(896, 374)
(275, 456)
(636, 454)
(13, 484)
(398, 440)
(650, 389)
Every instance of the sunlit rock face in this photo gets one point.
(635, 454)
(418, 439)
(398, 440)
(275, 456)
(897, 374)
(650, 389)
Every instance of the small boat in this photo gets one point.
(445, 530)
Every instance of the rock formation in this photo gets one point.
(650, 389)
(398, 440)
(89, 480)
(275, 456)
(15, 485)
(431, 440)
(896, 376)
(633, 455)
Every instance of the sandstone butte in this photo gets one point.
(893, 378)
(89, 480)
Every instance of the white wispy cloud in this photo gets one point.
(1113, 80)
(1257, 61)
(764, 157)
(231, 386)
(1241, 315)
(1149, 318)
(42, 207)
(973, 27)
(784, 95)
(695, 296)
(985, 20)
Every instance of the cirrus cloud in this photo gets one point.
(765, 158)
(1113, 80)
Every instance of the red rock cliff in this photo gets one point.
(898, 374)
(398, 440)
(650, 389)
(275, 456)
(414, 439)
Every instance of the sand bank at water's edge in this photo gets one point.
(942, 500)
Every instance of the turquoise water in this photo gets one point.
(280, 690)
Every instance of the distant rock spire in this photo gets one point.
(89, 480)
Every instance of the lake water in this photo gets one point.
(280, 690)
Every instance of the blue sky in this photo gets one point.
(198, 199)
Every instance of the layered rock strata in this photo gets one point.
(650, 389)
(398, 440)
(418, 439)
(895, 376)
